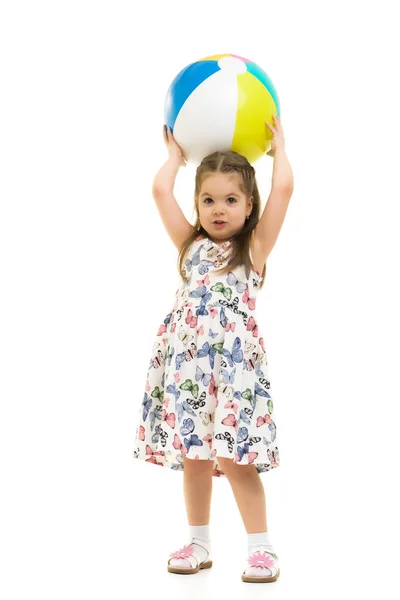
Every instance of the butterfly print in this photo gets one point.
(259, 390)
(193, 441)
(213, 389)
(225, 291)
(246, 414)
(184, 335)
(226, 390)
(206, 417)
(146, 403)
(182, 407)
(159, 433)
(227, 437)
(194, 262)
(162, 329)
(190, 319)
(191, 352)
(251, 302)
(154, 415)
(243, 435)
(232, 406)
(188, 355)
(231, 421)
(205, 281)
(251, 326)
(233, 281)
(178, 445)
(228, 377)
(205, 378)
(237, 353)
(208, 350)
(187, 427)
(197, 403)
(189, 386)
(172, 389)
(264, 382)
(168, 418)
(242, 451)
(158, 360)
(153, 456)
(273, 456)
(170, 354)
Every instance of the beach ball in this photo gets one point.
(221, 102)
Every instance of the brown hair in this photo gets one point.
(228, 162)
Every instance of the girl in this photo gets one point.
(207, 408)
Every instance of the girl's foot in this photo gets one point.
(190, 559)
(263, 566)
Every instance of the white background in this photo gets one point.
(87, 274)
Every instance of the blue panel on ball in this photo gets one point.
(183, 85)
(263, 77)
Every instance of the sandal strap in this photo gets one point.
(201, 546)
(191, 558)
(262, 549)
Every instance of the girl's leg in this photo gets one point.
(249, 494)
(197, 487)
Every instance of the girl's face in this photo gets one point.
(221, 200)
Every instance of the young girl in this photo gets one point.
(207, 408)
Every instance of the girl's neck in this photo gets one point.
(218, 242)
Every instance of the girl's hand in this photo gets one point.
(173, 148)
(278, 141)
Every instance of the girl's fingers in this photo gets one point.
(171, 137)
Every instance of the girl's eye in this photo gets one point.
(234, 200)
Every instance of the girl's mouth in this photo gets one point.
(219, 223)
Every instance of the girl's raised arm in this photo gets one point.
(175, 222)
(268, 227)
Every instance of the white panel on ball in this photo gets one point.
(206, 121)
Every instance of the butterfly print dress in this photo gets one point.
(207, 391)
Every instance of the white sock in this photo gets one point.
(199, 536)
(258, 539)
(200, 533)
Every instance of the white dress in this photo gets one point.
(207, 391)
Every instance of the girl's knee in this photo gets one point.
(198, 466)
(234, 470)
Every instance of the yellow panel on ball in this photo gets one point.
(216, 56)
(252, 138)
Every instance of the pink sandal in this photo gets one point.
(262, 560)
(187, 553)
